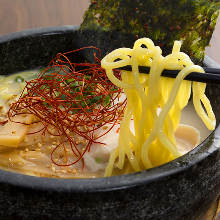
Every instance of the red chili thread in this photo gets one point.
(60, 97)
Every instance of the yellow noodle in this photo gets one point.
(153, 142)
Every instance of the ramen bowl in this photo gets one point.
(181, 189)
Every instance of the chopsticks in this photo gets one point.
(211, 75)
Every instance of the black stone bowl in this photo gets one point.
(182, 189)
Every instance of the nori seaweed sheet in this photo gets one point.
(164, 21)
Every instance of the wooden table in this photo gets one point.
(17, 15)
(214, 50)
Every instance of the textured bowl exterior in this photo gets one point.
(181, 189)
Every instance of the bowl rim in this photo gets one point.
(104, 183)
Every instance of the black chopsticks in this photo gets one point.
(211, 75)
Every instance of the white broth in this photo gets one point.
(32, 156)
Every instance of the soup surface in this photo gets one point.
(33, 154)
